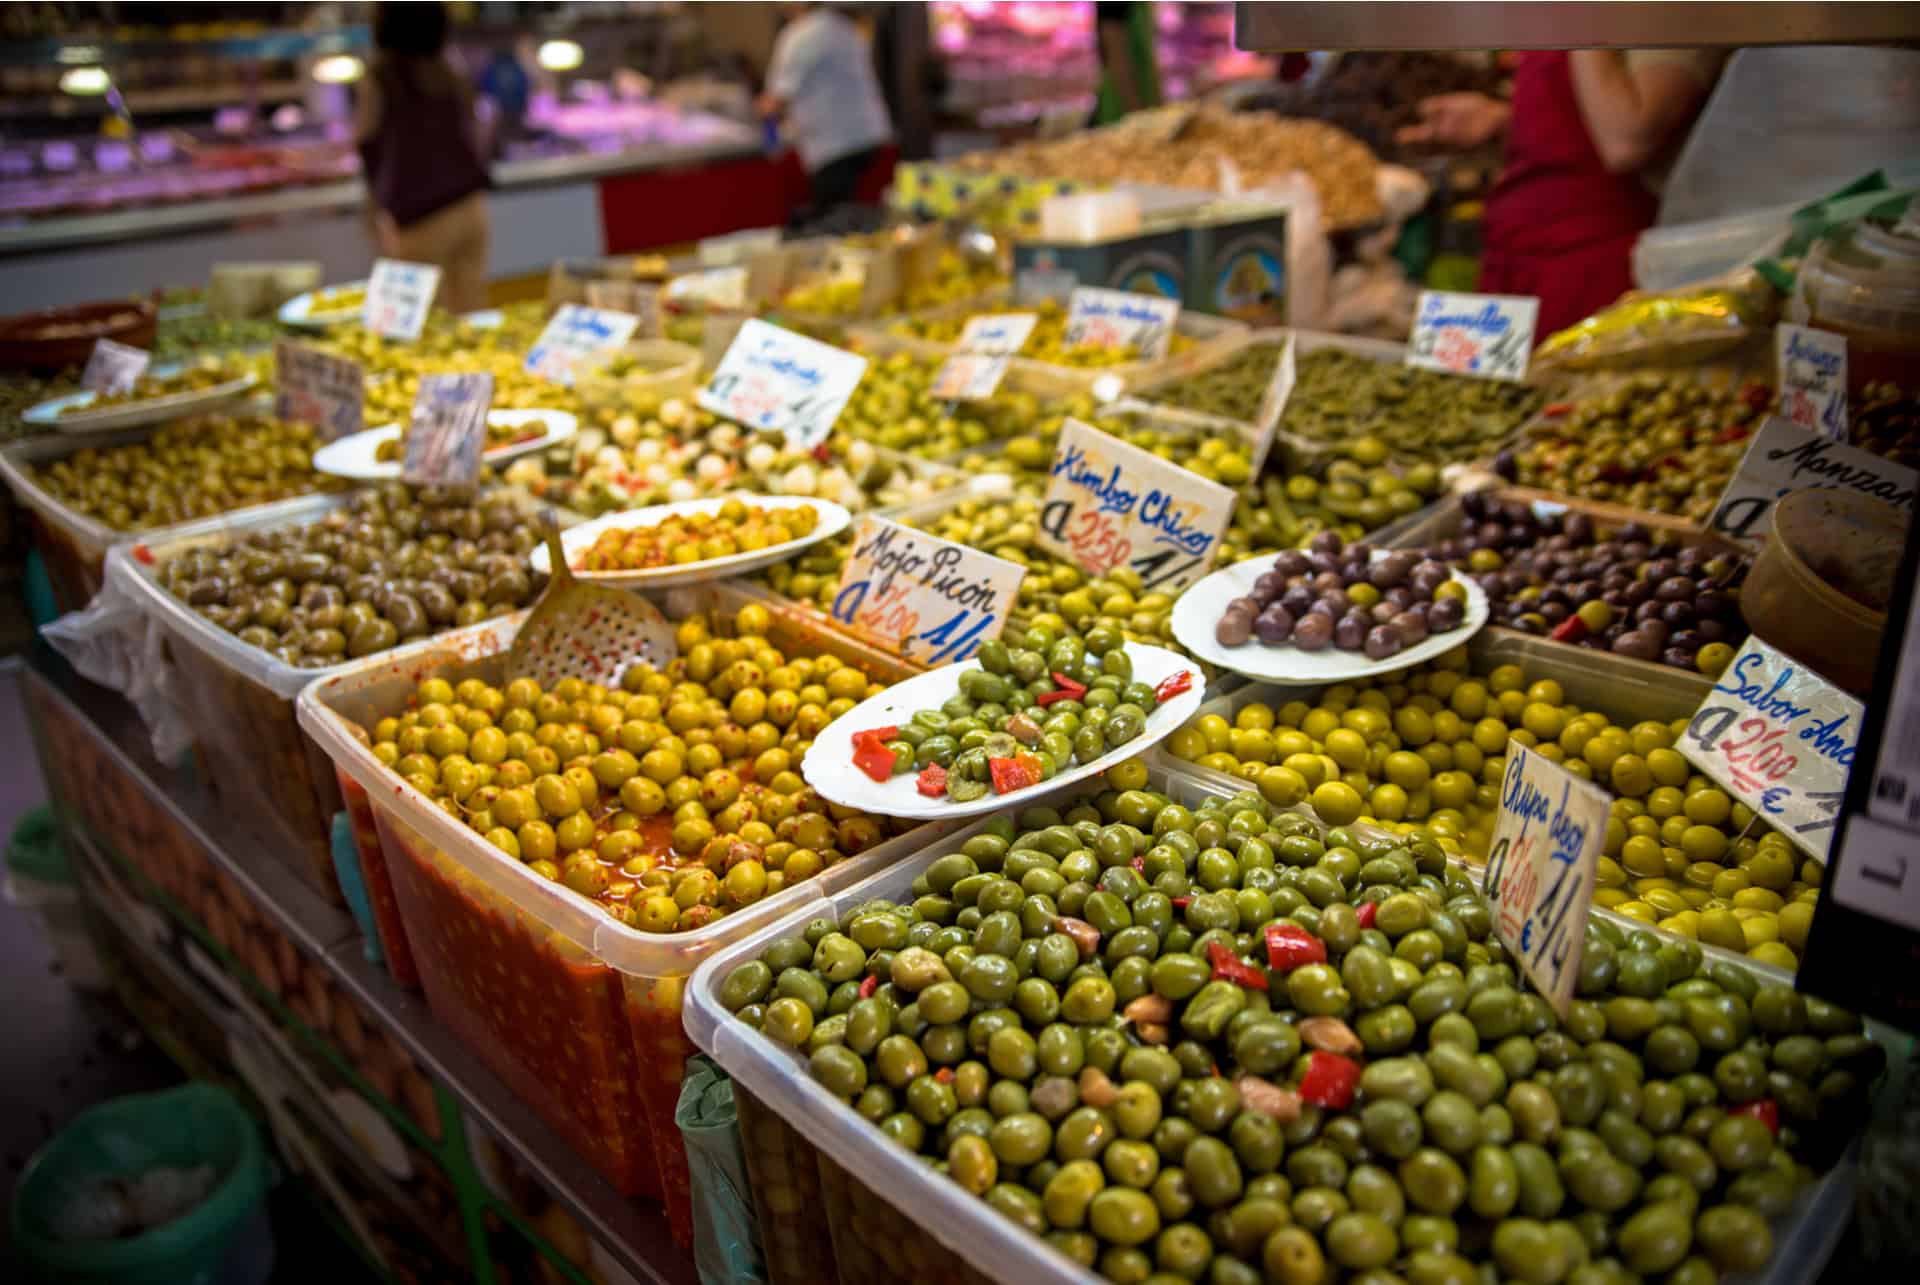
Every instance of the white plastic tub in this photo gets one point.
(577, 1012)
(894, 1218)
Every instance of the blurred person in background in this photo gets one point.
(1124, 45)
(1590, 136)
(420, 154)
(822, 87)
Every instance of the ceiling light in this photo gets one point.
(84, 81)
(338, 69)
(561, 55)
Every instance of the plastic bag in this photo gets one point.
(1677, 327)
(725, 1242)
(113, 643)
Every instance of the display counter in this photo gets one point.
(543, 208)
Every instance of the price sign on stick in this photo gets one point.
(716, 287)
(1542, 868)
(1783, 458)
(925, 599)
(114, 367)
(641, 298)
(1110, 504)
(399, 296)
(1781, 739)
(772, 378)
(448, 428)
(1487, 335)
(1116, 319)
(312, 386)
(1273, 404)
(1811, 366)
(987, 345)
(574, 334)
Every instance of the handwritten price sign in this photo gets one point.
(925, 599)
(1812, 374)
(1487, 335)
(315, 387)
(1542, 868)
(1110, 504)
(448, 426)
(574, 334)
(1117, 319)
(987, 345)
(1273, 404)
(1781, 739)
(399, 296)
(1784, 458)
(114, 367)
(641, 298)
(772, 378)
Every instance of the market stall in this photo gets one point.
(954, 756)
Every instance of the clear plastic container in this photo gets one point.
(1210, 335)
(662, 369)
(238, 699)
(73, 545)
(1862, 280)
(578, 1013)
(894, 1218)
(1626, 690)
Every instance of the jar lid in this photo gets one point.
(1865, 274)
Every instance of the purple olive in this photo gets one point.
(1674, 589)
(1678, 657)
(1711, 602)
(1350, 634)
(1382, 612)
(1320, 607)
(1473, 504)
(1711, 630)
(1411, 626)
(1360, 551)
(1636, 643)
(1656, 630)
(1292, 563)
(1445, 614)
(1648, 610)
(1274, 625)
(1297, 599)
(1399, 596)
(1579, 528)
(1234, 629)
(1383, 641)
(1313, 632)
(1338, 603)
(1555, 612)
(1326, 542)
(1506, 466)
(1392, 570)
(1677, 614)
(1327, 580)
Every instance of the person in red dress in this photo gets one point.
(1589, 134)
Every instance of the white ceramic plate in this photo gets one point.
(828, 766)
(833, 520)
(49, 414)
(357, 456)
(1197, 611)
(309, 311)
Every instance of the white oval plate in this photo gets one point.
(132, 414)
(575, 540)
(357, 456)
(1197, 611)
(828, 766)
(300, 311)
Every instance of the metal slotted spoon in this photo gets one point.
(585, 631)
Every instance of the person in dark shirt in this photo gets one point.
(420, 155)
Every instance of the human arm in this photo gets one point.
(1463, 119)
(1632, 111)
(368, 110)
(786, 71)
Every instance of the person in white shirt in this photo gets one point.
(821, 85)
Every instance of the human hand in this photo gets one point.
(1456, 120)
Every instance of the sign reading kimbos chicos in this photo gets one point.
(1110, 504)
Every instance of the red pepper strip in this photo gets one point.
(142, 554)
(1139, 865)
(874, 736)
(1554, 410)
(1173, 684)
(1366, 913)
(1765, 1110)
(1289, 946)
(1068, 690)
(1570, 630)
(868, 985)
(944, 1075)
(932, 781)
(1010, 774)
(1330, 1080)
(1230, 967)
(875, 759)
(1733, 433)
(1180, 903)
